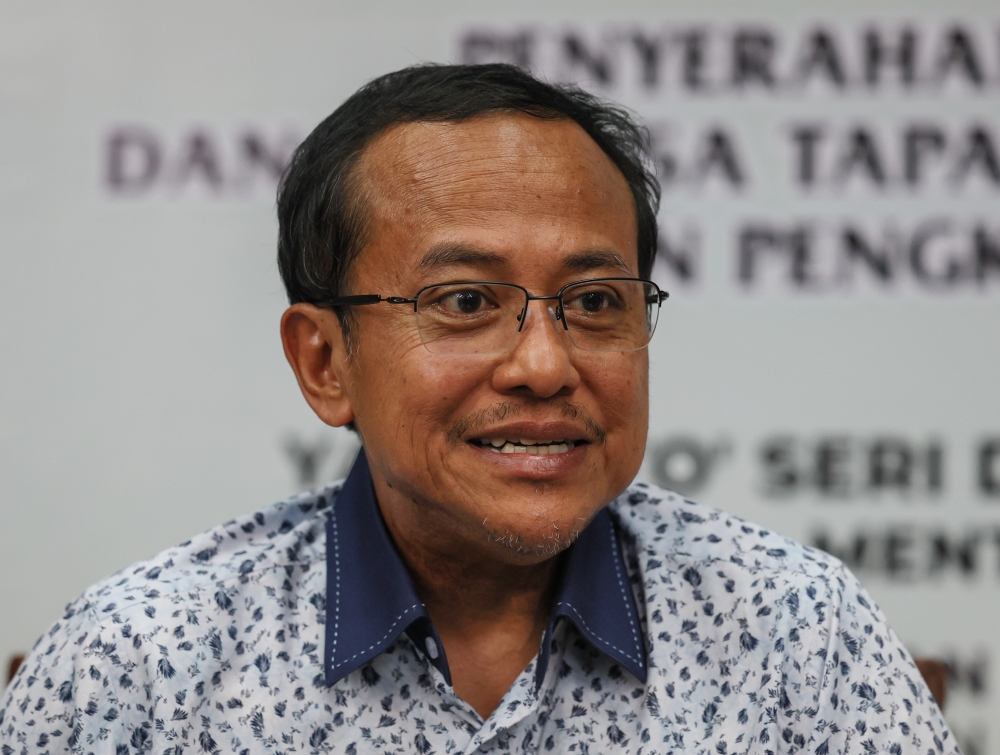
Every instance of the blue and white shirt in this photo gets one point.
(677, 629)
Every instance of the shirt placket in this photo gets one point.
(520, 707)
(520, 702)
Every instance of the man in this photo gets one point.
(465, 249)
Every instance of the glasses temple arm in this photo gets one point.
(360, 299)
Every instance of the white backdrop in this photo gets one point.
(828, 363)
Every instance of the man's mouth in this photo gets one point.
(526, 445)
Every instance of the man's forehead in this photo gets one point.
(475, 195)
(502, 131)
(490, 153)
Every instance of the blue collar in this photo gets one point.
(371, 599)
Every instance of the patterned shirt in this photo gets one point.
(677, 628)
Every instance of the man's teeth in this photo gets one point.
(526, 446)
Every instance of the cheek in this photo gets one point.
(621, 387)
(622, 396)
(441, 394)
(415, 394)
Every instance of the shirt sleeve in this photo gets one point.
(61, 700)
(868, 696)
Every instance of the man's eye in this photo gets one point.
(465, 302)
(592, 301)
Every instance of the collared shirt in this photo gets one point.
(676, 628)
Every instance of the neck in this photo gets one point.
(469, 593)
(489, 606)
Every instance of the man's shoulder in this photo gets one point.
(285, 534)
(668, 528)
(231, 597)
(700, 569)
(739, 618)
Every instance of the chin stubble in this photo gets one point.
(551, 545)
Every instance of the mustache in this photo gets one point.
(482, 420)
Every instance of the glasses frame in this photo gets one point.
(365, 299)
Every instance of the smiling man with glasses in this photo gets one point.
(467, 252)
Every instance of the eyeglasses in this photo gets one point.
(478, 317)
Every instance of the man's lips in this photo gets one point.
(533, 438)
(528, 446)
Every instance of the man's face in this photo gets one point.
(505, 198)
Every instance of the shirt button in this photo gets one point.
(432, 648)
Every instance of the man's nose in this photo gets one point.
(540, 363)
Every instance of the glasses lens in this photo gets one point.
(469, 318)
(611, 315)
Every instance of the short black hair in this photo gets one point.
(321, 218)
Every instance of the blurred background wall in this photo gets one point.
(828, 363)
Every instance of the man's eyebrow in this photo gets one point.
(590, 260)
(459, 255)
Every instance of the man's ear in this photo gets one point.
(316, 350)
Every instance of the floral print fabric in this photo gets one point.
(755, 644)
